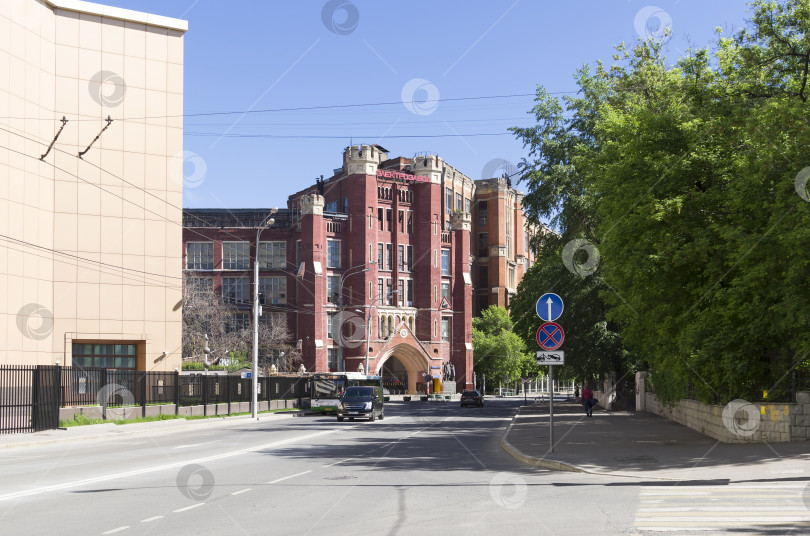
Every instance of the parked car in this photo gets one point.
(472, 398)
(361, 403)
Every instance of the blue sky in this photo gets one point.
(258, 55)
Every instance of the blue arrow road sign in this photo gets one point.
(549, 307)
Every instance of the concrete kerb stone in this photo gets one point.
(531, 460)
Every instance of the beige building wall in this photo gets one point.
(90, 247)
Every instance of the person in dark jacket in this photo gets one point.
(588, 401)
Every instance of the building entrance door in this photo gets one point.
(394, 376)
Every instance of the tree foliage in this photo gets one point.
(499, 353)
(684, 176)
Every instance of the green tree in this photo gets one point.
(687, 177)
(498, 352)
(592, 345)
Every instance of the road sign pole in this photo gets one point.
(551, 407)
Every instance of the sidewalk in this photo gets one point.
(644, 445)
(97, 431)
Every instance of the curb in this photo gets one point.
(561, 466)
(110, 428)
(531, 460)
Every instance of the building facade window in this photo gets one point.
(401, 257)
(272, 255)
(445, 262)
(235, 255)
(509, 233)
(409, 258)
(332, 283)
(467, 205)
(482, 213)
(332, 359)
(459, 201)
(401, 293)
(113, 356)
(200, 255)
(237, 322)
(409, 225)
(389, 291)
(409, 292)
(483, 244)
(331, 325)
(273, 290)
(388, 254)
(446, 290)
(511, 277)
(446, 329)
(401, 221)
(380, 258)
(299, 252)
(448, 200)
(482, 302)
(483, 276)
(333, 253)
(199, 284)
(236, 290)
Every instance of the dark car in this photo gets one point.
(472, 398)
(361, 403)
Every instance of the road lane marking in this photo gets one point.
(241, 491)
(18, 459)
(194, 444)
(149, 519)
(337, 462)
(189, 508)
(175, 465)
(288, 477)
(125, 527)
(711, 508)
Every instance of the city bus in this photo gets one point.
(328, 386)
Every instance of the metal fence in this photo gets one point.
(30, 396)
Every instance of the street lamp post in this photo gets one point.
(347, 273)
(254, 396)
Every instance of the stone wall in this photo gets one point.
(740, 421)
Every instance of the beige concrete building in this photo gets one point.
(90, 263)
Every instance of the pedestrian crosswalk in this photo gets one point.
(756, 508)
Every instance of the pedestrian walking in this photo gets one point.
(588, 401)
(576, 393)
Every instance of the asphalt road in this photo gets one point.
(428, 468)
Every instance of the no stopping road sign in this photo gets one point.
(550, 336)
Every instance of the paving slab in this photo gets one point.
(640, 444)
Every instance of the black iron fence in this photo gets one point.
(30, 396)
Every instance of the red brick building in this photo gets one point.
(384, 243)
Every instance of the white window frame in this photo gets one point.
(195, 259)
(236, 255)
(272, 255)
(332, 260)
